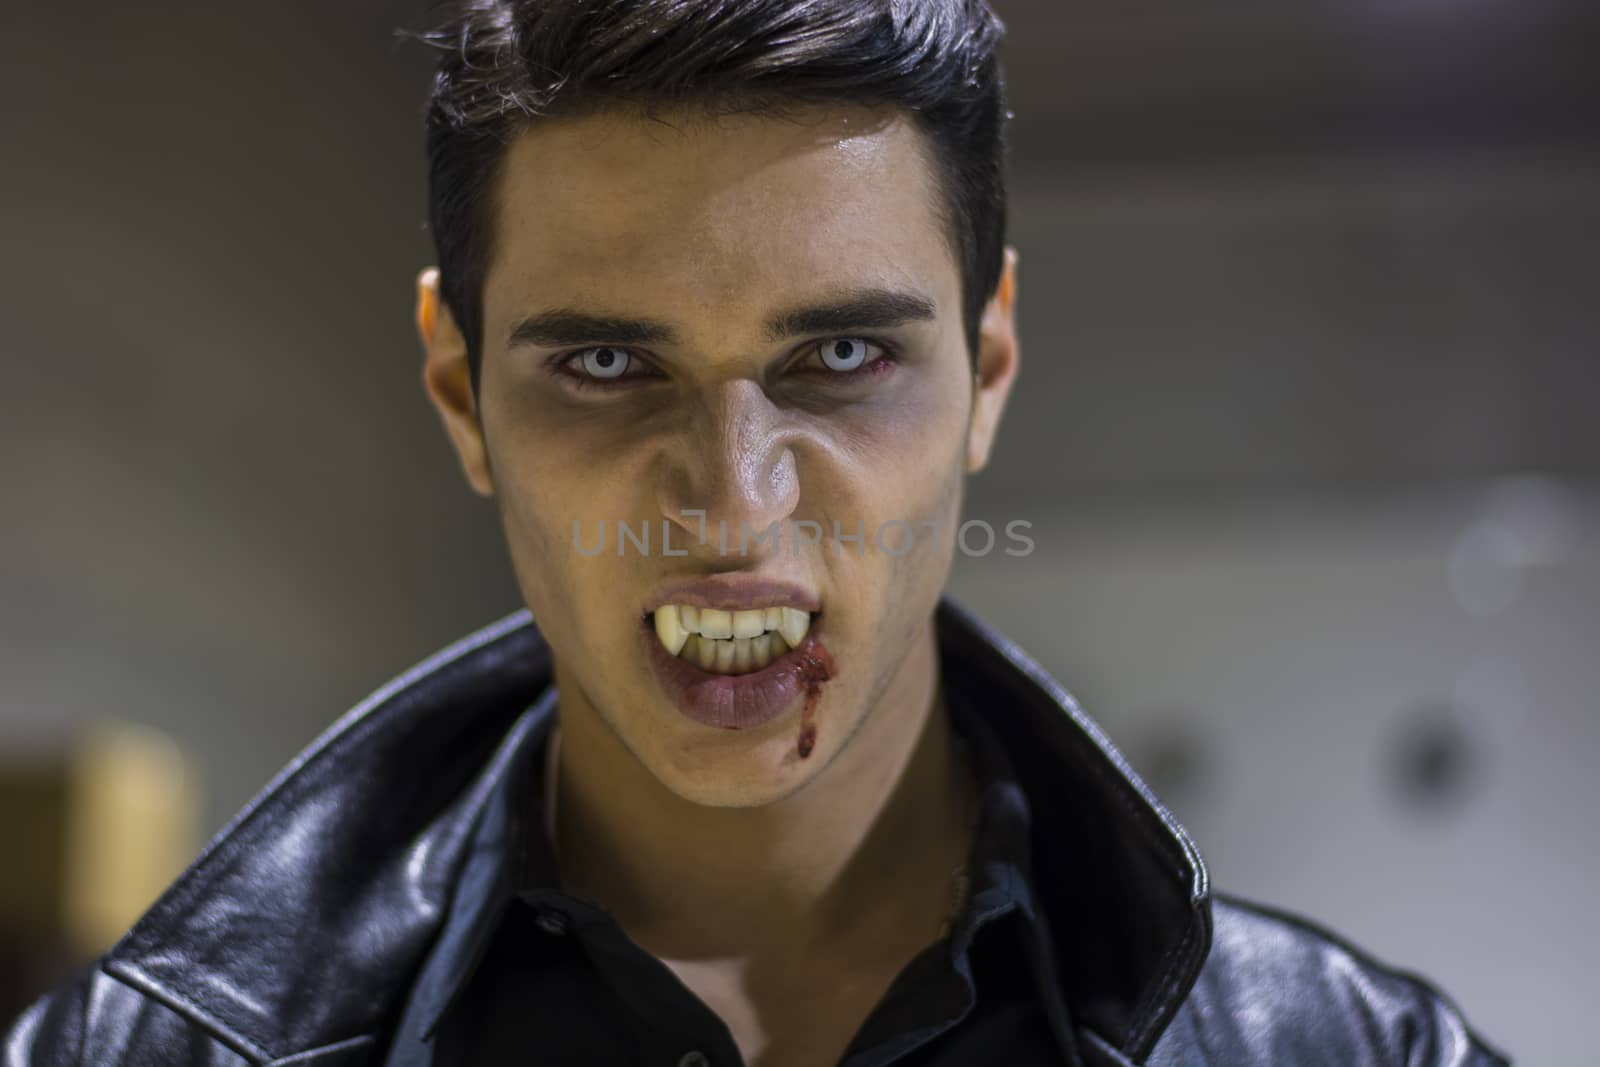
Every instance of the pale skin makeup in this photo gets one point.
(767, 880)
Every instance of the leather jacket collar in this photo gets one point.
(305, 919)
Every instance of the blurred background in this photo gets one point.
(1307, 437)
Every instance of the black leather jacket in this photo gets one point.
(295, 937)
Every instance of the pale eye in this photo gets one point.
(845, 354)
(605, 362)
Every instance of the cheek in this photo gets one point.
(920, 536)
(533, 546)
(554, 466)
(551, 510)
(903, 484)
(909, 461)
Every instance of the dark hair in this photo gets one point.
(505, 63)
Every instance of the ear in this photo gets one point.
(996, 366)
(447, 376)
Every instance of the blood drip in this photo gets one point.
(815, 668)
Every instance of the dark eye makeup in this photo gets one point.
(568, 365)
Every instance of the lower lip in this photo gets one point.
(732, 701)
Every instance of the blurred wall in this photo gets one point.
(1306, 434)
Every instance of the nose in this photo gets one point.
(735, 464)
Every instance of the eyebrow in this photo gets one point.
(860, 309)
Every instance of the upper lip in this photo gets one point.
(734, 592)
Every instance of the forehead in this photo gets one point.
(734, 213)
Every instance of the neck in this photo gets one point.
(870, 845)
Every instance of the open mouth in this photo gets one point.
(744, 659)
(730, 642)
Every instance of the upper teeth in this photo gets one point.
(747, 638)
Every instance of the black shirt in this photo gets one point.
(526, 974)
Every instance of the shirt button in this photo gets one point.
(552, 922)
(693, 1058)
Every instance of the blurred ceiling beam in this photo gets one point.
(1101, 87)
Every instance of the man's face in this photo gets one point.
(711, 231)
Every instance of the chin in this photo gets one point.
(731, 768)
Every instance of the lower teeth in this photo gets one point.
(738, 655)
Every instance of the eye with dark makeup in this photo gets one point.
(607, 367)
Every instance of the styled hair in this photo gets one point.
(504, 64)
